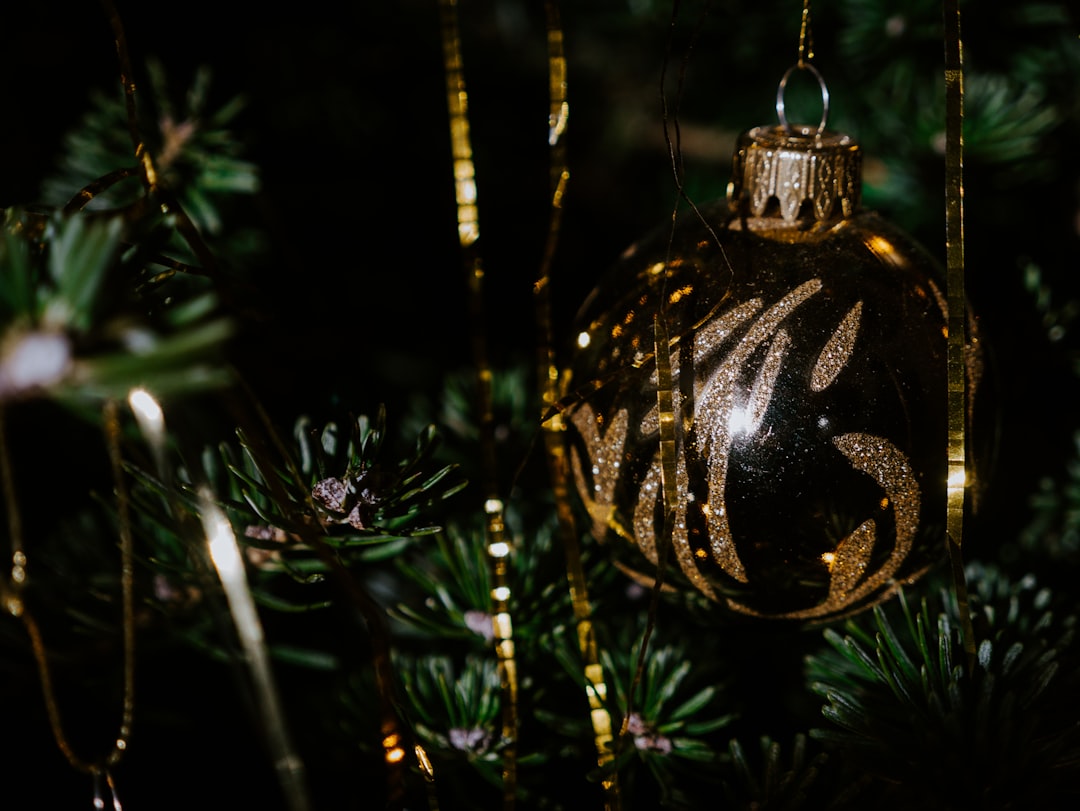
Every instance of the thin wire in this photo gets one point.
(662, 356)
(127, 581)
(554, 426)
(669, 494)
(957, 340)
(674, 145)
(10, 594)
(662, 349)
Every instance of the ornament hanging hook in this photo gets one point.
(780, 107)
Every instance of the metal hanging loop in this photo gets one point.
(780, 110)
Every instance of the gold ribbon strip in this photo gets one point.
(498, 548)
(552, 420)
(954, 252)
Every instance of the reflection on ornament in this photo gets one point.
(808, 345)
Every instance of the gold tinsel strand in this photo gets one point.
(553, 423)
(957, 343)
(498, 547)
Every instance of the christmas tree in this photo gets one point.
(280, 477)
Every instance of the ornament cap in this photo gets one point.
(805, 172)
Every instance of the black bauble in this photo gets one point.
(808, 354)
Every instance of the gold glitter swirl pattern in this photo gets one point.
(834, 356)
(645, 523)
(605, 450)
(890, 468)
(762, 390)
(645, 512)
(718, 330)
(645, 508)
(722, 416)
(712, 334)
(849, 562)
(887, 465)
(727, 409)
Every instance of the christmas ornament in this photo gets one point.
(808, 383)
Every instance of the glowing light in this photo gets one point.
(151, 420)
(957, 478)
(224, 550)
(499, 549)
(504, 628)
(493, 505)
(740, 421)
(828, 558)
(583, 340)
(35, 360)
(18, 567)
(679, 294)
(392, 744)
(468, 233)
(884, 249)
(14, 606)
(595, 674)
(147, 410)
(502, 593)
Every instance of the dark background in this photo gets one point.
(359, 294)
(359, 297)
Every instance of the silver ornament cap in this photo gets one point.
(796, 171)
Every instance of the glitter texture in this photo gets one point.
(881, 460)
(605, 450)
(837, 351)
(719, 402)
(806, 380)
(884, 462)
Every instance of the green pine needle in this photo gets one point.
(904, 709)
